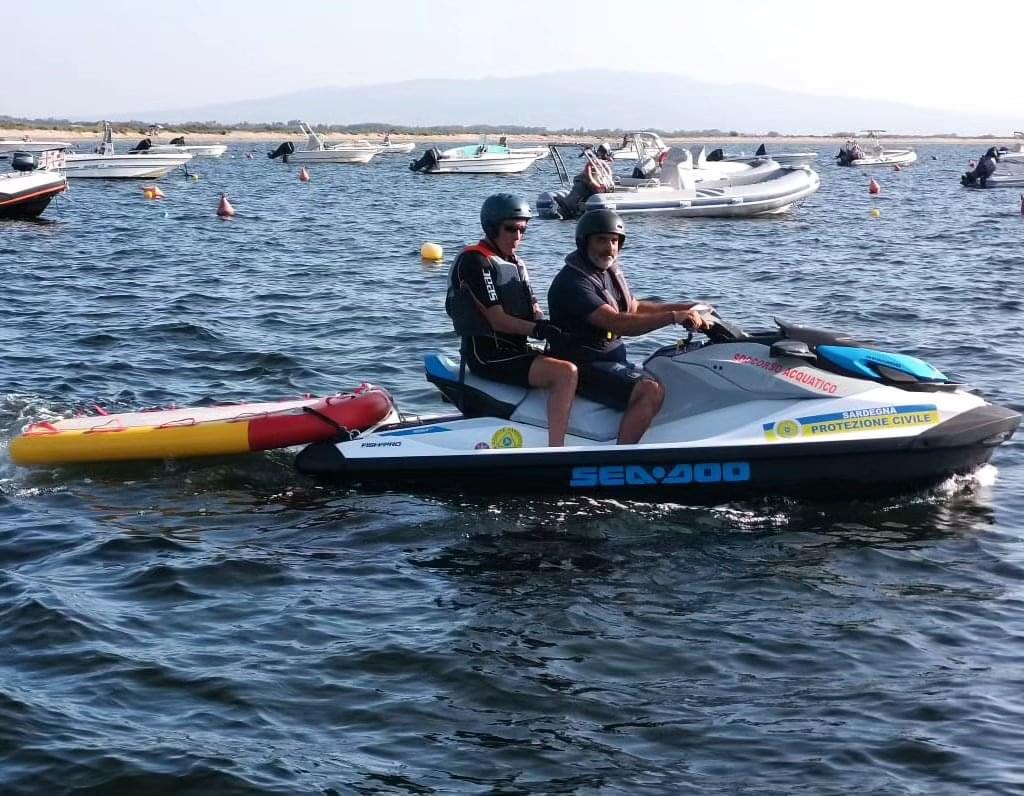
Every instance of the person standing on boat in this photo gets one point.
(596, 177)
(494, 309)
(591, 302)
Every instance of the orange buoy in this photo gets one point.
(303, 175)
(874, 187)
(224, 209)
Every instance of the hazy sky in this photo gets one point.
(83, 59)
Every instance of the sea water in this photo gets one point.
(228, 626)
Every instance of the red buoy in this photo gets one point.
(874, 187)
(224, 209)
(303, 175)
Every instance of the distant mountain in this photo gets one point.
(591, 99)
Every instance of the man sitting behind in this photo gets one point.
(591, 303)
(493, 307)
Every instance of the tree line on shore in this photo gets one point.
(365, 128)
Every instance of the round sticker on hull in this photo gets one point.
(507, 437)
(788, 429)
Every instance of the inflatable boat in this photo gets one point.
(873, 153)
(201, 431)
(763, 190)
(782, 158)
(792, 410)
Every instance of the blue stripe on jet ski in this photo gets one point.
(408, 432)
(857, 414)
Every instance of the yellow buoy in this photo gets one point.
(432, 252)
(195, 177)
(148, 193)
(876, 213)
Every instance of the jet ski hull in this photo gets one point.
(395, 458)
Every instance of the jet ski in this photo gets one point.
(787, 411)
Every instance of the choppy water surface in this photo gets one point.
(228, 626)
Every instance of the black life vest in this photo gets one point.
(511, 285)
(590, 342)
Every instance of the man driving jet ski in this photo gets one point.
(591, 303)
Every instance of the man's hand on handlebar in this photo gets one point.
(692, 319)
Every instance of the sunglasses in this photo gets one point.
(513, 228)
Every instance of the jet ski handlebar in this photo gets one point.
(719, 329)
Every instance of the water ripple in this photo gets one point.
(227, 626)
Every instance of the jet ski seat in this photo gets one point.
(479, 397)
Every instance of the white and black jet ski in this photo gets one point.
(793, 410)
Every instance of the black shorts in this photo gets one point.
(609, 383)
(507, 365)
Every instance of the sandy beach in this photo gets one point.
(230, 136)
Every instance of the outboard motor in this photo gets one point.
(555, 205)
(142, 146)
(716, 156)
(179, 141)
(429, 159)
(24, 161)
(986, 168)
(645, 169)
(282, 151)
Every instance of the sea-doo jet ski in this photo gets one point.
(791, 410)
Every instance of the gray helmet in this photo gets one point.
(599, 222)
(499, 207)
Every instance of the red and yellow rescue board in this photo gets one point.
(200, 431)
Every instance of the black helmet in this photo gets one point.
(599, 222)
(500, 206)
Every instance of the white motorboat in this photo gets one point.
(1015, 155)
(474, 159)
(852, 153)
(317, 151)
(105, 163)
(764, 189)
(8, 146)
(782, 158)
(177, 146)
(539, 151)
(195, 150)
(637, 146)
(389, 147)
(34, 180)
(991, 176)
